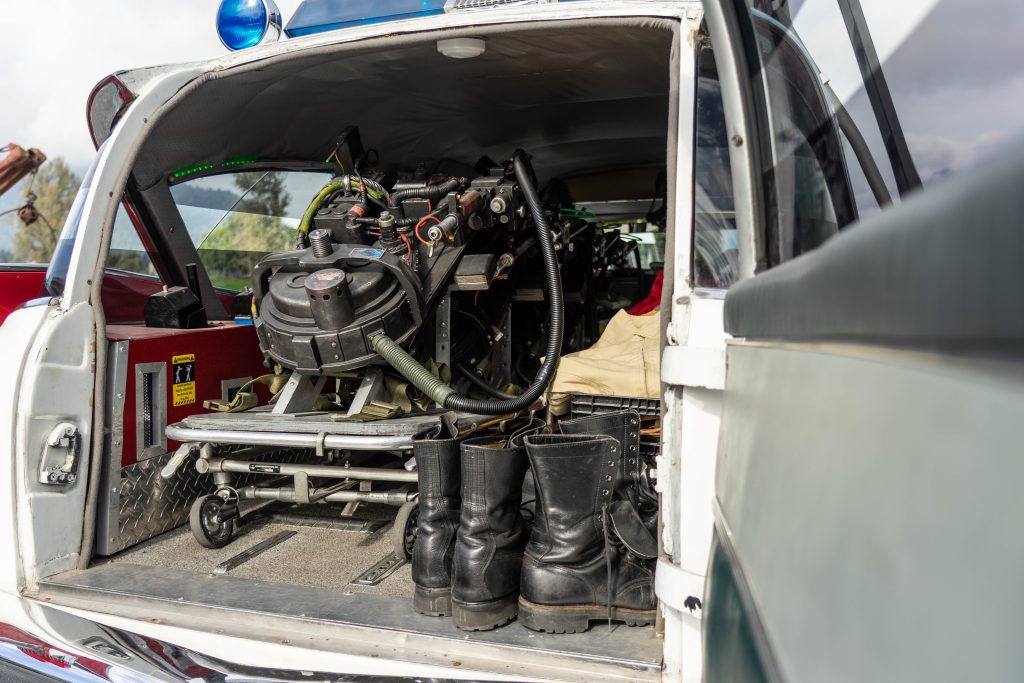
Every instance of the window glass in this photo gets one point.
(952, 69)
(715, 247)
(236, 219)
(956, 73)
(57, 272)
(130, 277)
(730, 652)
(805, 171)
(127, 252)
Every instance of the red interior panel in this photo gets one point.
(18, 284)
(125, 295)
(222, 351)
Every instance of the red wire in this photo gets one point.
(423, 220)
(408, 247)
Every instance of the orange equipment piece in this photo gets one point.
(18, 163)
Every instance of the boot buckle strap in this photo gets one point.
(630, 529)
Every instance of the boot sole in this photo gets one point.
(432, 602)
(484, 616)
(576, 618)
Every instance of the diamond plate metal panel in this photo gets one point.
(149, 505)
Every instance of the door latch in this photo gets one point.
(60, 455)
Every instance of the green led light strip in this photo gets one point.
(240, 161)
(198, 168)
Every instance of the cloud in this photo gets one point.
(55, 51)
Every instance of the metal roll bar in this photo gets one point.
(368, 442)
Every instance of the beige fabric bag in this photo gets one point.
(625, 361)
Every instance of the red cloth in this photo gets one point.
(653, 299)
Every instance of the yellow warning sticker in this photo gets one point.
(183, 379)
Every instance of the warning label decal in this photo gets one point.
(183, 378)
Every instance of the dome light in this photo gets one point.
(461, 48)
(247, 23)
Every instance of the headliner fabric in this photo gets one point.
(579, 100)
(942, 269)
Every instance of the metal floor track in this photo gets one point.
(361, 624)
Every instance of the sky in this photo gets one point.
(53, 52)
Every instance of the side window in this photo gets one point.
(130, 276)
(819, 28)
(924, 109)
(715, 247)
(730, 649)
(235, 219)
(805, 172)
(127, 252)
(957, 107)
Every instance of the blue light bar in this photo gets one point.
(247, 23)
(316, 16)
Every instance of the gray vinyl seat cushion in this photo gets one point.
(943, 269)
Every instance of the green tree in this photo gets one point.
(267, 195)
(55, 186)
(250, 231)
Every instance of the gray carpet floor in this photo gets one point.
(319, 557)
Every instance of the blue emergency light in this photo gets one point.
(247, 23)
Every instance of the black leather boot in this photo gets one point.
(630, 484)
(492, 536)
(584, 561)
(438, 467)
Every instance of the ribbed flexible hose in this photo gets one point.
(443, 394)
(318, 201)
(411, 369)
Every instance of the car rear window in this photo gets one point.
(235, 219)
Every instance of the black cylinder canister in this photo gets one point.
(330, 300)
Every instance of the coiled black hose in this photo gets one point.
(422, 379)
(553, 280)
(428, 192)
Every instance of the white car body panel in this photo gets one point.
(898, 490)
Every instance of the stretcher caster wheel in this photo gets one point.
(207, 521)
(404, 532)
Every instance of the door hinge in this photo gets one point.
(681, 590)
(60, 455)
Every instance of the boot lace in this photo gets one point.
(607, 563)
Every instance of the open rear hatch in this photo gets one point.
(590, 101)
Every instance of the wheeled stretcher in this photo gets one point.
(343, 459)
